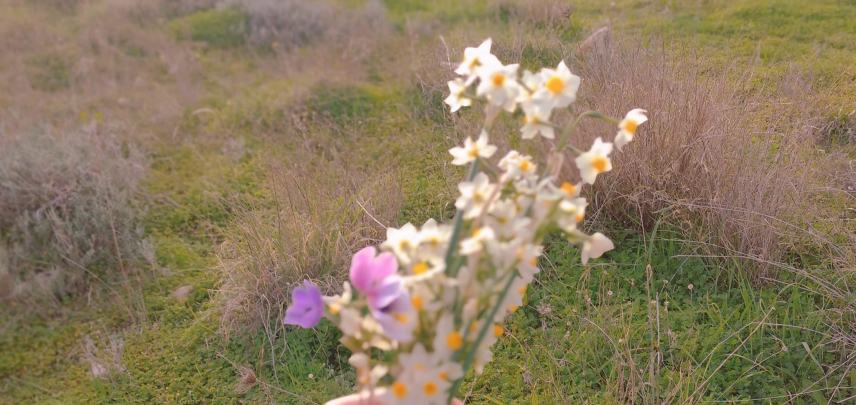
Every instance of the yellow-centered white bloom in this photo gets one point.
(516, 165)
(498, 83)
(595, 246)
(475, 243)
(447, 339)
(402, 241)
(456, 98)
(536, 120)
(434, 239)
(476, 58)
(475, 195)
(559, 86)
(472, 150)
(627, 127)
(595, 161)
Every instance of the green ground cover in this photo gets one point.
(584, 334)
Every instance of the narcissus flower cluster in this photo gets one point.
(435, 296)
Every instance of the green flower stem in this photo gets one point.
(458, 224)
(566, 133)
(468, 360)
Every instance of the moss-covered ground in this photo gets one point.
(650, 323)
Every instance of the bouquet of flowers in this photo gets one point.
(425, 307)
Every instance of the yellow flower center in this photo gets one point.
(555, 84)
(524, 165)
(498, 79)
(474, 152)
(417, 303)
(334, 308)
(522, 290)
(429, 388)
(513, 308)
(599, 164)
(580, 216)
(401, 318)
(444, 376)
(533, 262)
(454, 340)
(404, 244)
(497, 330)
(630, 126)
(420, 268)
(569, 188)
(399, 389)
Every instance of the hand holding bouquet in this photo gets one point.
(426, 307)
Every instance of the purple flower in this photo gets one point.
(398, 318)
(306, 308)
(374, 276)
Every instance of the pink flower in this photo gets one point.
(374, 276)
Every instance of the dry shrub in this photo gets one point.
(737, 170)
(288, 24)
(67, 212)
(320, 213)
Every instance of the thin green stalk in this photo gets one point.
(468, 360)
(458, 224)
(566, 133)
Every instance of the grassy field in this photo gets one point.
(258, 149)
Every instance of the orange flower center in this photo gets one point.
(429, 388)
(498, 79)
(555, 84)
(417, 303)
(454, 340)
(630, 126)
(399, 390)
(599, 164)
(420, 268)
(569, 188)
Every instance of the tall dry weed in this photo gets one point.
(737, 170)
(320, 213)
(68, 212)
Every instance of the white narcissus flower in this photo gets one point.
(456, 98)
(403, 242)
(595, 161)
(498, 83)
(516, 165)
(475, 195)
(475, 243)
(447, 339)
(627, 127)
(476, 58)
(595, 246)
(472, 150)
(434, 239)
(559, 86)
(536, 120)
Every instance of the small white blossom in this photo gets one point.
(475, 195)
(472, 150)
(559, 86)
(595, 246)
(456, 98)
(627, 127)
(476, 58)
(499, 85)
(536, 120)
(595, 161)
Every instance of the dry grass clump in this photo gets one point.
(319, 214)
(738, 171)
(67, 212)
(288, 24)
